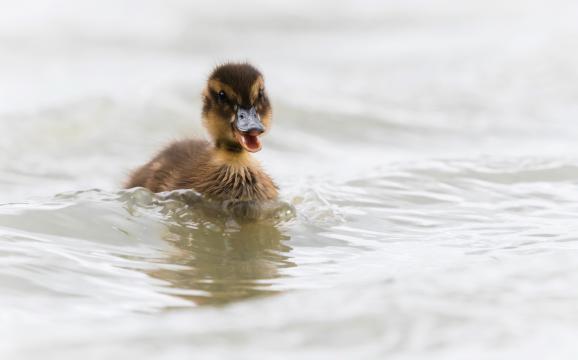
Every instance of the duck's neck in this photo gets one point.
(232, 155)
(229, 146)
(237, 176)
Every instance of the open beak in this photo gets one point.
(247, 128)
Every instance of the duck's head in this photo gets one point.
(236, 109)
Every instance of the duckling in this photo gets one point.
(236, 112)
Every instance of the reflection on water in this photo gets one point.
(226, 264)
(222, 258)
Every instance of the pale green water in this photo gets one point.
(428, 149)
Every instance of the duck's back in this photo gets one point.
(179, 163)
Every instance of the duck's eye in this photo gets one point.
(222, 96)
(261, 93)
